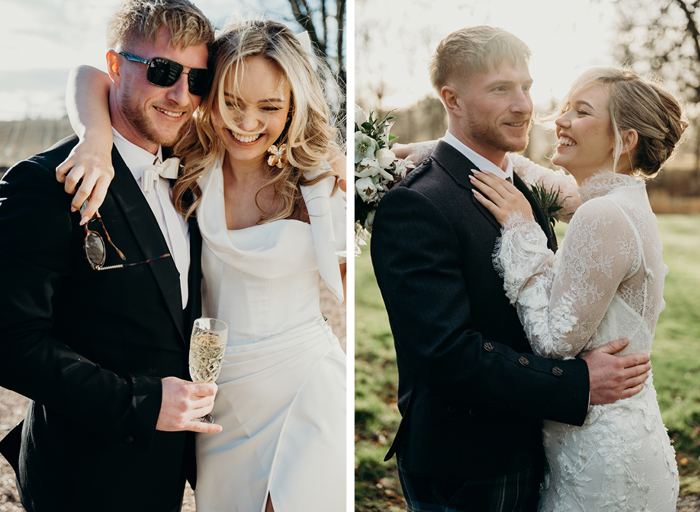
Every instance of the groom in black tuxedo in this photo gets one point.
(471, 393)
(102, 352)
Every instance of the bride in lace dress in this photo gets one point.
(606, 281)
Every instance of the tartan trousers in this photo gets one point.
(517, 492)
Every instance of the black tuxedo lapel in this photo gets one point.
(148, 235)
(459, 167)
(194, 304)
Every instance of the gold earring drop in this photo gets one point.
(278, 156)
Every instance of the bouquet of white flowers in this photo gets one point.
(376, 169)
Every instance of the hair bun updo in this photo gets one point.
(665, 130)
(644, 106)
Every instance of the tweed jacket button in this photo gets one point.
(524, 361)
(488, 347)
(426, 161)
(557, 372)
(452, 408)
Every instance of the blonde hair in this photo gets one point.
(309, 137)
(141, 20)
(638, 104)
(472, 50)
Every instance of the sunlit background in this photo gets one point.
(41, 40)
(396, 38)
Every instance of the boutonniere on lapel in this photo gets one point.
(550, 201)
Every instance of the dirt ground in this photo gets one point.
(14, 406)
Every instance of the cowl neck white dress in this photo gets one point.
(281, 392)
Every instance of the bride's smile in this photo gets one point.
(251, 114)
(585, 139)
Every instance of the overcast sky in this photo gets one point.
(41, 40)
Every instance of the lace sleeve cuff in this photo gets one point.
(421, 150)
(521, 252)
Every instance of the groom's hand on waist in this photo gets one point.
(182, 401)
(614, 377)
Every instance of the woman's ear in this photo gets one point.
(629, 141)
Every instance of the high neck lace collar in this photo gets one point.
(604, 182)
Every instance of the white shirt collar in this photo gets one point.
(135, 157)
(482, 163)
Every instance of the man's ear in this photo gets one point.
(629, 141)
(450, 98)
(113, 65)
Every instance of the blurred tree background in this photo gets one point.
(663, 37)
(660, 38)
(325, 21)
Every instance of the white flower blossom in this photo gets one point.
(367, 189)
(360, 116)
(370, 167)
(402, 167)
(385, 157)
(365, 146)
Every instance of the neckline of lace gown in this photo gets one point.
(603, 182)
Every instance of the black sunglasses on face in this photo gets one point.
(165, 72)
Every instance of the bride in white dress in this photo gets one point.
(605, 282)
(273, 221)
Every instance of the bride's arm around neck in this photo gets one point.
(87, 104)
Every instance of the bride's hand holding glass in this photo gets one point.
(499, 197)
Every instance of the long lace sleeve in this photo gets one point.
(416, 152)
(561, 300)
(532, 173)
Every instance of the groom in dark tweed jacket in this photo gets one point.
(471, 393)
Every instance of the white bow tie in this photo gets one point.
(167, 169)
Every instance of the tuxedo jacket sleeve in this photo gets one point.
(465, 367)
(38, 237)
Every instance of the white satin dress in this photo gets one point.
(281, 391)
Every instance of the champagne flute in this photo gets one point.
(207, 347)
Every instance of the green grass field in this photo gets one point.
(675, 359)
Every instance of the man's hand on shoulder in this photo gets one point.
(614, 377)
(182, 401)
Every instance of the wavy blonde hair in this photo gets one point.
(309, 137)
(141, 20)
(638, 104)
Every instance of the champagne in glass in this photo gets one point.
(207, 347)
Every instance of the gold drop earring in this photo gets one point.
(278, 156)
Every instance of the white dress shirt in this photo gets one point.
(482, 163)
(173, 225)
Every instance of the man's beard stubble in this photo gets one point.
(143, 124)
(490, 136)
